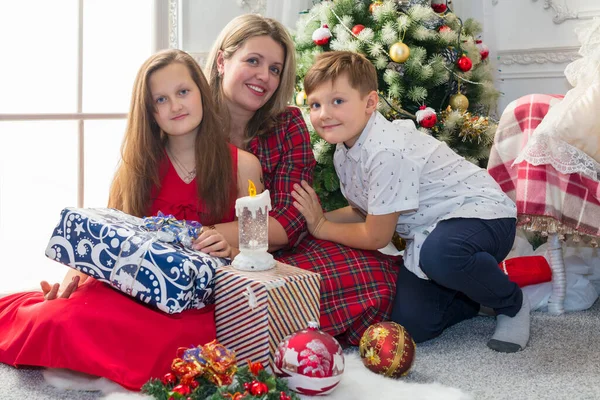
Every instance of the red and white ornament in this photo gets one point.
(464, 63)
(426, 117)
(356, 29)
(321, 35)
(445, 28)
(311, 361)
(483, 49)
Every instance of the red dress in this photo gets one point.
(101, 331)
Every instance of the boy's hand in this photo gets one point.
(308, 204)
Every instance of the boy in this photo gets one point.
(457, 222)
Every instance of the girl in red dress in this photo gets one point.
(175, 160)
(252, 72)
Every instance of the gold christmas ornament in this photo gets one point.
(399, 52)
(301, 98)
(459, 101)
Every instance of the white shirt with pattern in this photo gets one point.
(393, 167)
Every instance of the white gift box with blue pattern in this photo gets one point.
(114, 247)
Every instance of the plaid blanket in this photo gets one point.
(547, 200)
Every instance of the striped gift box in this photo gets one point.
(254, 311)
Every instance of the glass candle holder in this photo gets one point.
(253, 223)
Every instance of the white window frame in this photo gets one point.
(161, 11)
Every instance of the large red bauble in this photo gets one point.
(356, 29)
(464, 63)
(387, 349)
(311, 361)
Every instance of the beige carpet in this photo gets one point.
(562, 361)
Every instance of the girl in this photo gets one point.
(252, 71)
(174, 159)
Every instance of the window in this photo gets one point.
(66, 75)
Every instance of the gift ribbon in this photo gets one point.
(164, 228)
(171, 230)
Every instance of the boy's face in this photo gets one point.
(338, 112)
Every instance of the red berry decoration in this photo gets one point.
(258, 388)
(426, 117)
(356, 29)
(464, 63)
(183, 390)
(439, 8)
(283, 396)
(194, 384)
(169, 379)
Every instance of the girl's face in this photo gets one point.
(176, 99)
(252, 74)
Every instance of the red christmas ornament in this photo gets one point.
(426, 117)
(387, 349)
(484, 51)
(194, 384)
(445, 28)
(439, 8)
(311, 361)
(258, 388)
(356, 29)
(169, 379)
(183, 390)
(321, 35)
(464, 63)
(283, 396)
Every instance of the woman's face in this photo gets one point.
(252, 74)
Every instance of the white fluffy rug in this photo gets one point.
(358, 383)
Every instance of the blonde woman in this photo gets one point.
(252, 71)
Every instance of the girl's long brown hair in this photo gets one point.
(143, 148)
(231, 38)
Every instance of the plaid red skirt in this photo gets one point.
(357, 286)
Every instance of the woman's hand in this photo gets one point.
(307, 202)
(212, 243)
(53, 292)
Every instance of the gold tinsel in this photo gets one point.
(471, 127)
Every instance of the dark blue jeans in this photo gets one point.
(460, 256)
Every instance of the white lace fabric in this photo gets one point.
(566, 159)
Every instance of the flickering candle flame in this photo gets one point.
(251, 188)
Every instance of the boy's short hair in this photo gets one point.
(331, 65)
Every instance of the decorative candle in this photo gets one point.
(253, 222)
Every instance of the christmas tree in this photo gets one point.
(432, 68)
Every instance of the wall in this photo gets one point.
(531, 41)
(195, 24)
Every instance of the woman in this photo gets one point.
(252, 71)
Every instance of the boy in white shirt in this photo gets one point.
(457, 222)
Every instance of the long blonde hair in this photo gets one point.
(143, 148)
(231, 38)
